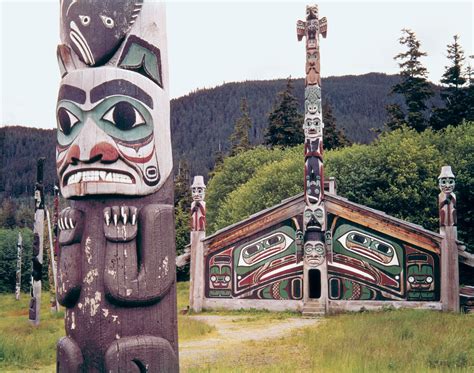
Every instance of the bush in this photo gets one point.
(397, 173)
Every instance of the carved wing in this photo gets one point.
(323, 26)
(300, 29)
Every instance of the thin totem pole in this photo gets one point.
(116, 265)
(314, 221)
(18, 266)
(198, 232)
(449, 250)
(38, 234)
(54, 306)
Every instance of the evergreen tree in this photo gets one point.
(240, 140)
(285, 124)
(182, 200)
(7, 214)
(453, 93)
(469, 96)
(396, 117)
(414, 86)
(333, 137)
(219, 157)
(181, 183)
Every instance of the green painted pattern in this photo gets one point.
(262, 244)
(97, 116)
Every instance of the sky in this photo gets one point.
(211, 43)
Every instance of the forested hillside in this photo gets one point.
(204, 119)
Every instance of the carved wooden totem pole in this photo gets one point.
(38, 235)
(449, 250)
(198, 232)
(19, 254)
(315, 267)
(116, 270)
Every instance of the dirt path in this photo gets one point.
(232, 331)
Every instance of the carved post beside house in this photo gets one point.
(116, 264)
(198, 232)
(449, 249)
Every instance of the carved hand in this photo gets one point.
(71, 226)
(140, 253)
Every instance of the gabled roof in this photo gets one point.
(408, 232)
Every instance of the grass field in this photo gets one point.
(388, 341)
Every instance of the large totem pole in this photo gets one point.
(314, 218)
(116, 265)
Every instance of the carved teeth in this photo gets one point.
(92, 175)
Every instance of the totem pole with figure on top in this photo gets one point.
(116, 260)
(314, 217)
(449, 247)
(198, 232)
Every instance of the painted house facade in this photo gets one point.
(372, 260)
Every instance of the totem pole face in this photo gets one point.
(111, 123)
(312, 101)
(447, 184)
(313, 217)
(113, 120)
(314, 253)
(311, 12)
(95, 29)
(312, 127)
(198, 193)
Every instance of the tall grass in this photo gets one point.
(21, 344)
(25, 347)
(388, 341)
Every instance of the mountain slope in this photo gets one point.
(204, 119)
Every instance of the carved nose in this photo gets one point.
(104, 152)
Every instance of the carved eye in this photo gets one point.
(85, 20)
(66, 120)
(429, 279)
(124, 116)
(108, 22)
(411, 279)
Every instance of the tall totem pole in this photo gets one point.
(116, 265)
(314, 218)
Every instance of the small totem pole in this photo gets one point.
(54, 305)
(449, 249)
(116, 262)
(18, 266)
(38, 233)
(198, 232)
(314, 218)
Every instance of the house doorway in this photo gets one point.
(314, 277)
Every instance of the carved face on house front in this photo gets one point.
(314, 253)
(113, 133)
